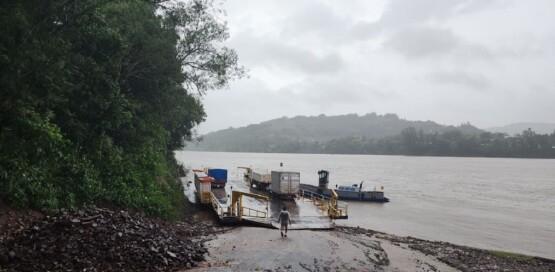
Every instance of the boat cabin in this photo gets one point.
(353, 188)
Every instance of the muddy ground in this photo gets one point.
(352, 249)
(96, 239)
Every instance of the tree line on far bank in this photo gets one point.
(528, 144)
(415, 142)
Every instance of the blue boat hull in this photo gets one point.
(369, 196)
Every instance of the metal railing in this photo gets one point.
(236, 208)
(319, 200)
(334, 208)
(245, 211)
(341, 210)
(313, 196)
(217, 206)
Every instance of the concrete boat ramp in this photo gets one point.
(236, 204)
(304, 216)
(260, 249)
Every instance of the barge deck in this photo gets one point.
(236, 205)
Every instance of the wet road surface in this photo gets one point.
(258, 249)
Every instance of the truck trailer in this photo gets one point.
(219, 175)
(257, 179)
(285, 184)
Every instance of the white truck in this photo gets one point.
(285, 184)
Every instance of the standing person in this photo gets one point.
(285, 220)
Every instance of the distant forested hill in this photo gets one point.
(376, 134)
(309, 134)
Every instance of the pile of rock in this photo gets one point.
(480, 260)
(462, 258)
(97, 239)
(472, 259)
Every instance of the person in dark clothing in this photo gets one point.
(285, 220)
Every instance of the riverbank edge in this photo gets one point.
(464, 258)
(15, 222)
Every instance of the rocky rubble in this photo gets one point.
(95, 239)
(464, 258)
(479, 260)
(13, 221)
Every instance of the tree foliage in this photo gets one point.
(410, 141)
(96, 95)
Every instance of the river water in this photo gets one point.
(492, 203)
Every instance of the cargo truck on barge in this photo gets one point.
(257, 179)
(219, 175)
(285, 184)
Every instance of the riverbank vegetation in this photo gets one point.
(410, 141)
(96, 95)
(417, 143)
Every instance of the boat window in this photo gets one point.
(346, 188)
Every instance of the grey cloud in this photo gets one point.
(422, 42)
(315, 18)
(399, 14)
(327, 93)
(261, 51)
(469, 51)
(466, 79)
(416, 58)
(319, 24)
(402, 12)
(470, 6)
(336, 92)
(365, 30)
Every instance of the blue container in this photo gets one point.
(219, 175)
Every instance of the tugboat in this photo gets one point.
(354, 192)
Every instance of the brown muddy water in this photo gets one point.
(492, 203)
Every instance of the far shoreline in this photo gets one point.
(357, 154)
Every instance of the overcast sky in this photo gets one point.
(483, 61)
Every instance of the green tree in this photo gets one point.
(96, 96)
